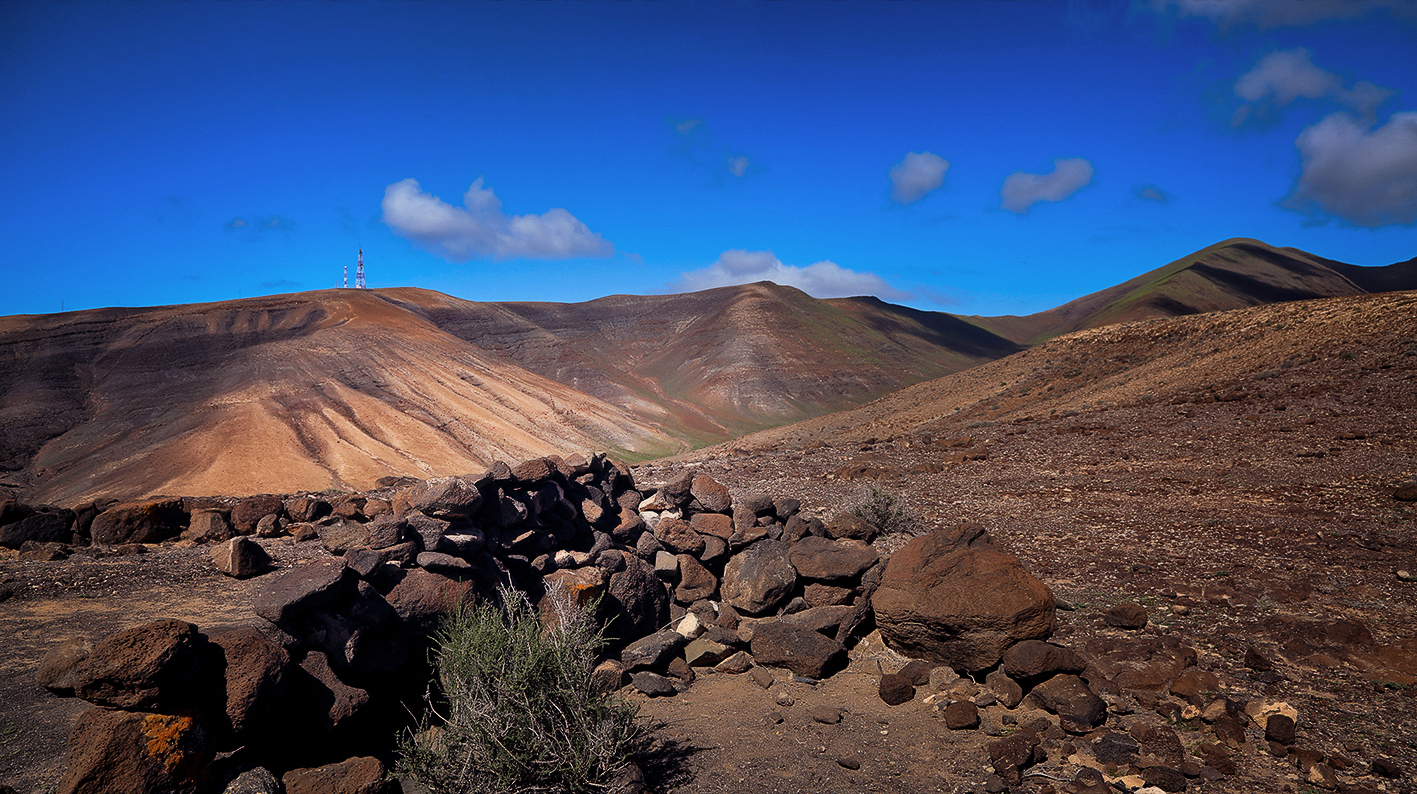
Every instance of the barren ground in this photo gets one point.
(1256, 494)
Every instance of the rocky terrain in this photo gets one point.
(1220, 506)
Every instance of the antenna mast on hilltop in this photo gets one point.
(346, 275)
(359, 274)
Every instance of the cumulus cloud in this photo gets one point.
(1022, 190)
(1365, 176)
(820, 280)
(917, 174)
(1282, 77)
(480, 229)
(1279, 13)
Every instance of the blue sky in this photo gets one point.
(972, 157)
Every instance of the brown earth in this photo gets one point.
(336, 388)
(1240, 466)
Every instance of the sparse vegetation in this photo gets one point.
(515, 709)
(886, 512)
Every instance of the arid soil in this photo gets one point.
(1233, 473)
(1254, 491)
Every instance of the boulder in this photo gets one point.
(240, 558)
(341, 536)
(306, 509)
(162, 665)
(443, 497)
(1126, 616)
(256, 780)
(676, 535)
(715, 524)
(849, 525)
(135, 752)
(422, 597)
(961, 716)
(47, 526)
(799, 649)
(300, 589)
(1079, 710)
(653, 684)
(704, 652)
(759, 578)
(637, 601)
(1011, 754)
(1032, 661)
(951, 597)
(711, 493)
(835, 561)
(823, 620)
(364, 775)
(255, 677)
(695, 581)
(249, 511)
(208, 526)
(825, 595)
(149, 521)
(653, 651)
(896, 689)
(57, 671)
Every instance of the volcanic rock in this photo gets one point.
(240, 558)
(149, 521)
(134, 752)
(57, 671)
(849, 525)
(1126, 616)
(1032, 661)
(300, 590)
(422, 597)
(354, 776)
(950, 596)
(255, 677)
(249, 511)
(637, 601)
(164, 665)
(47, 526)
(711, 493)
(208, 526)
(759, 578)
(895, 689)
(834, 561)
(695, 581)
(1078, 709)
(800, 650)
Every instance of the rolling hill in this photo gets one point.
(1229, 275)
(336, 388)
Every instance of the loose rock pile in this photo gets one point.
(687, 577)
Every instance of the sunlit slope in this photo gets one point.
(709, 365)
(1229, 275)
(309, 391)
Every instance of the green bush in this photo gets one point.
(885, 511)
(516, 711)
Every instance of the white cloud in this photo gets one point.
(1282, 77)
(820, 280)
(917, 174)
(481, 229)
(1151, 193)
(738, 165)
(1365, 176)
(1022, 190)
(1278, 13)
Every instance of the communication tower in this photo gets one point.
(359, 274)
(346, 275)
